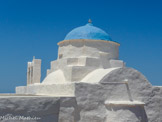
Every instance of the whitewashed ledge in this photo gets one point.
(124, 103)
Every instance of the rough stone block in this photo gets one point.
(29, 109)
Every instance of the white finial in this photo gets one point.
(33, 57)
(89, 21)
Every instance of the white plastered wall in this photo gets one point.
(77, 58)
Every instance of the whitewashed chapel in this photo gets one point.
(92, 84)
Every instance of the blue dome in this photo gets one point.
(88, 31)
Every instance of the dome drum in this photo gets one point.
(88, 48)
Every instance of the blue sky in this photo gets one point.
(33, 27)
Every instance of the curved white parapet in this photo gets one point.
(97, 75)
(55, 77)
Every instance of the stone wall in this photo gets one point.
(29, 109)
